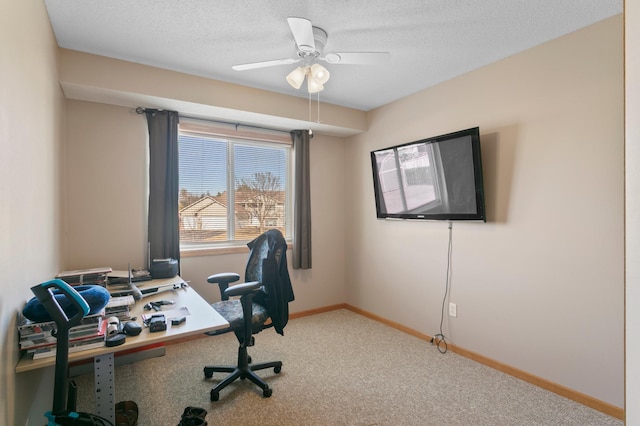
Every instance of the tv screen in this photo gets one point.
(438, 178)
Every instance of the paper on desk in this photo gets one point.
(173, 313)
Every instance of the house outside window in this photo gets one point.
(234, 185)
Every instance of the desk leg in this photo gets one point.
(103, 370)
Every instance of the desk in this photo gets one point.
(202, 318)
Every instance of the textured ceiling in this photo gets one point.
(429, 41)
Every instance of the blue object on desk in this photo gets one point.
(95, 296)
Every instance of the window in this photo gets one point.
(233, 185)
(411, 177)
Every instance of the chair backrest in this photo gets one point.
(267, 264)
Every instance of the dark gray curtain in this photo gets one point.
(164, 237)
(302, 201)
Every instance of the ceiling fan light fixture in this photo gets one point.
(296, 77)
(319, 73)
(310, 43)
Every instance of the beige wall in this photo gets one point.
(539, 286)
(31, 110)
(106, 178)
(632, 158)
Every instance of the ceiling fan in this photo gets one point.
(310, 42)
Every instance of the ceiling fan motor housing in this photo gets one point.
(320, 40)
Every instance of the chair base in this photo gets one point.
(244, 370)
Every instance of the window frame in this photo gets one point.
(234, 135)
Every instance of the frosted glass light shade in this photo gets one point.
(313, 86)
(319, 73)
(296, 77)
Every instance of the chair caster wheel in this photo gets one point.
(277, 369)
(267, 392)
(215, 396)
(208, 373)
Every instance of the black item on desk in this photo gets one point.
(157, 323)
(164, 268)
(131, 328)
(64, 392)
(156, 306)
(115, 340)
(178, 321)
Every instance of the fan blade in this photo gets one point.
(356, 58)
(302, 31)
(254, 65)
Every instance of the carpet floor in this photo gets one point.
(339, 368)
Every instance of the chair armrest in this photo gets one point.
(223, 280)
(224, 277)
(242, 289)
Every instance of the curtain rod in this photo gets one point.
(141, 110)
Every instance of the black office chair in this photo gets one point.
(264, 295)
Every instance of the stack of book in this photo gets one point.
(119, 307)
(38, 341)
(94, 276)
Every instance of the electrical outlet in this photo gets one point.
(453, 310)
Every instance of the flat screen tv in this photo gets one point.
(438, 178)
